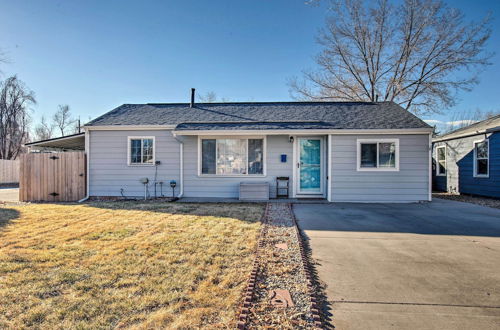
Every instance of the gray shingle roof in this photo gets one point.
(476, 128)
(271, 115)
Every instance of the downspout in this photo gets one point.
(181, 174)
(87, 153)
(181, 164)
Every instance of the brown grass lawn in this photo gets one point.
(124, 264)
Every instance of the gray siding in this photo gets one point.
(198, 186)
(409, 184)
(109, 171)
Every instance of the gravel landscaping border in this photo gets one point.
(479, 200)
(281, 263)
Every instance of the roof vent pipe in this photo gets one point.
(192, 97)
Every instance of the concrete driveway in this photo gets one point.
(407, 266)
(9, 194)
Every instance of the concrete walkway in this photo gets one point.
(407, 266)
(9, 194)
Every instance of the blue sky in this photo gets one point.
(96, 55)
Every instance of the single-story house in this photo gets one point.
(467, 160)
(338, 151)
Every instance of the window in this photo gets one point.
(378, 155)
(441, 161)
(231, 156)
(481, 158)
(141, 150)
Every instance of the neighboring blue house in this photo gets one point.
(467, 160)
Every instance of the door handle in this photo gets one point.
(298, 165)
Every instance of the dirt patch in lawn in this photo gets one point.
(484, 201)
(107, 265)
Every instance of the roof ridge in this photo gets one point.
(264, 102)
(252, 121)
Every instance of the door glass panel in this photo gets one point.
(310, 165)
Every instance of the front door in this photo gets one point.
(310, 166)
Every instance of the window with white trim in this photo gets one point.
(141, 150)
(441, 161)
(378, 155)
(481, 158)
(231, 156)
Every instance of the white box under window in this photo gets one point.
(254, 191)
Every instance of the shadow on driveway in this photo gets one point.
(440, 217)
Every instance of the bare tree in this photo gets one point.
(3, 59)
(15, 100)
(466, 118)
(44, 130)
(63, 120)
(209, 97)
(417, 54)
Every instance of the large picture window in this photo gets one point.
(231, 156)
(141, 151)
(481, 158)
(441, 161)
(377, 155)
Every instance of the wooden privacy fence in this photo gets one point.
(9, 171)
(52, 177)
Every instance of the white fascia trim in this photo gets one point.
(305, 132)
(129, 127)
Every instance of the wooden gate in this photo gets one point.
(52, 177)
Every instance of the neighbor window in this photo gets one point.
(141, 150)
(229, 156)
(441, 161)
(481, 158)
(378, 155)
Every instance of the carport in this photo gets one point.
(74, 142)
(407, 266)
(54, 170)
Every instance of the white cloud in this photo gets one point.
(450, 123)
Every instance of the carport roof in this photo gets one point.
(69, 142)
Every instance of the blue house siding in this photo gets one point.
(490, 186)
(439, 183)
(460, 167)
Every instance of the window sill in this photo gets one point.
(216, 176)
(140, 165)
(378, 169)
(481, 176)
